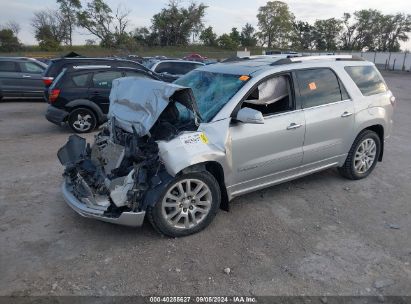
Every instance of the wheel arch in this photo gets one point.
(217, 171)
(84, 103)
(379, 129)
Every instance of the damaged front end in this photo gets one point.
(121, 174)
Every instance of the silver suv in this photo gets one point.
(176, 153)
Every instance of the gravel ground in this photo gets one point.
(318, 235)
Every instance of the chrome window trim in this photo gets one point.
(327, 104)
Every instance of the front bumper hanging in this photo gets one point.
(132, 219)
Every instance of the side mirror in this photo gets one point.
(248, 115)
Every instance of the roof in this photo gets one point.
(244, 66)
(179, 60)
(250, 65)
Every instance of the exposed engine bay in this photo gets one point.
(122, 171)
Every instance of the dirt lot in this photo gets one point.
(319, 235)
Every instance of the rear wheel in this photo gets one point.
(82, 120)
(363, 156)
(187, 206)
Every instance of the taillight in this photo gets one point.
(54, 94)
(48, 80)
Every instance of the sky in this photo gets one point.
(221, 15)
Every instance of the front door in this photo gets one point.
(32, 79)
(265, 153)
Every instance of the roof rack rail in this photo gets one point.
(321, 57)
(95, 66)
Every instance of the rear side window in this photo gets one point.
(368, 80)
(165, 67)
(80, 80)
(31, 67)
(319, 86)
(8, 66)
(104, 80)
(135, 74)
(176, 68)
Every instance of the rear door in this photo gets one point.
(329, 117)
(11, 81)
(32, 78)
(100, 87)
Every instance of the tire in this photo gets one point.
(184, 207)
(82, 120)
(363, 156)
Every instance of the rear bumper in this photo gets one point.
(55, 115)
(132, 219)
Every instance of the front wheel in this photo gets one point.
(187, 206)
(363, 156)
(82, 120)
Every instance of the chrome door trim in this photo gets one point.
(327, 104)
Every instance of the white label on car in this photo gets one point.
(194, 142)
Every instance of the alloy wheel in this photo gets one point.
(365, 155)
(186, 204)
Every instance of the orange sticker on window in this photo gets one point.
(312, 86)
(244, 78)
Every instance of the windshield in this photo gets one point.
(211, 91)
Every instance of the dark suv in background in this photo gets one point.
(58, 64)
(21, 77)
(79, 95)
(172, 69)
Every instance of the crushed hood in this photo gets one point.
(138, 102)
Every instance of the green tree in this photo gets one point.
(208, 37)
(235, 36)
(372, 30)
(49, 29)
(68, 10)
(141, 35)
(8, 41)
(348, 34)
(368, 29)
(108, 25)
(174, 25)
(226, 42)
(247, 37)
(395, 28)
(276, 24)
(303, 38)
(327, 33)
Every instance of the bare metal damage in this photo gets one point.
(140, 150)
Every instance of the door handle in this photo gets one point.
(293, 126)
(26, 76)
(346, 114)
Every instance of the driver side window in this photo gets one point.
(271, 96)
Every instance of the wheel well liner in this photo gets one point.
(379, 129)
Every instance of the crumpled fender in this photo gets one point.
(211, 142)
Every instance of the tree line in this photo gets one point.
(177, 25)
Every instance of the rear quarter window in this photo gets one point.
(80, 80)
(367, 79)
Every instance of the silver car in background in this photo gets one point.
(176, 153)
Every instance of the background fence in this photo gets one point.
(384, 60)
